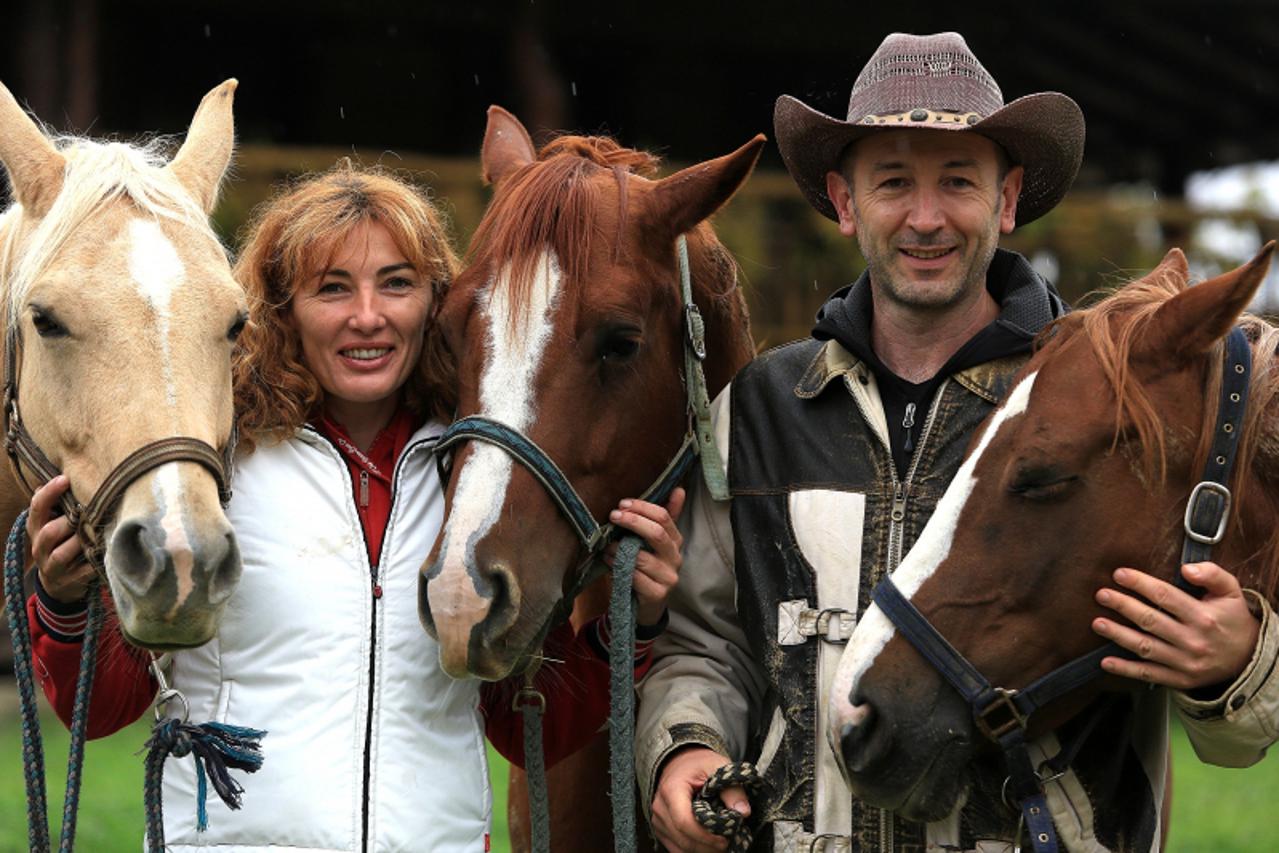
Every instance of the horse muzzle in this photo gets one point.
(471, 611)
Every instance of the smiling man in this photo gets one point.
(838, 448)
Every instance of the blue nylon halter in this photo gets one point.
(1002, 714)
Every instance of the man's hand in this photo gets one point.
(1183, 642)
(682, 777)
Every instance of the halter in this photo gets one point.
(90, 521)
(1001, 714)
(699, 440)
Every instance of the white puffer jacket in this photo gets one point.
(370, 746)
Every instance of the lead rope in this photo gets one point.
(718, 818)
(32, 744)
(215, 746)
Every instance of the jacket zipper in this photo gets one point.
(375, 575)
(896, 527)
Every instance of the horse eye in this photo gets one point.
(1042, 485)
(618, 346)
(233, 333)
(46, 325)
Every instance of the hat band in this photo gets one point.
(920, 117)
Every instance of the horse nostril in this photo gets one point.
(133, 559)
(224, 567)
(504, 598)
(862, 740)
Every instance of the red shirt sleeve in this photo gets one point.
(122, 684)
(576, 692)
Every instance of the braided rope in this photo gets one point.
(718, 818)
(532, 705)
(32, 744)
(621, 686)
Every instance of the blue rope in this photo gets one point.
(32, 744)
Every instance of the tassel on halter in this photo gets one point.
(217, 748)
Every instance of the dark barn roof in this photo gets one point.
(1167, 87)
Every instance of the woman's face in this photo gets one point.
(360, 321)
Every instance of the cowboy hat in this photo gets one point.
(935, 83)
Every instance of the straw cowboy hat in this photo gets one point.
(935, 83)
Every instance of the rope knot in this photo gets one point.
(718, 818)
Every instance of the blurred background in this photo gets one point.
(1179, 96)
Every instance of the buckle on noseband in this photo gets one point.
(1007, 716)
(1192, 506)
(529, 696)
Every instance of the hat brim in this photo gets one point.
(1044, 133)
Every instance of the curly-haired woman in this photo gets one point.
(342, 387)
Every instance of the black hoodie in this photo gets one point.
(1027, 303)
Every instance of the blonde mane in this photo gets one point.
(97, 174)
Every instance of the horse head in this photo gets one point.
(122, 313)
(1085, 467)
(568, 328)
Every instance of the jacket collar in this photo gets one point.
(991, 380)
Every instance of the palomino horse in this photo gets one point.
(1087, 466)
(568, 327)
(122, 312)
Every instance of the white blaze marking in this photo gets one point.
(158, 271)
(517, 339)
(166, 488)
(875, 630)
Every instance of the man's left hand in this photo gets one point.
(1183, 642)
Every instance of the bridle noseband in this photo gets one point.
(698, 441)
(1002, 714)
(90, 520)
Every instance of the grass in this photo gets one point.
(1214, 809)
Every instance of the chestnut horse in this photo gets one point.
(1087, 466)
(122, 312)
(568, 326)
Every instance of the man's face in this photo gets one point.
(927, 208)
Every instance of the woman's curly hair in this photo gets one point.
(294, 236)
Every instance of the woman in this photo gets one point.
(341, 387)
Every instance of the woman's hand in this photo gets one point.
(657, 567)
(57, 552)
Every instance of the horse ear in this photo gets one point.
(1192, 321)
(507, 146)
(206, 152)
(1174, 264)
(679, 202)
(34, 165)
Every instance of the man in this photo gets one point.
(839, 447)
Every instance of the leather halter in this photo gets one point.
(1002, 714)
(90, 520)
(698, 440)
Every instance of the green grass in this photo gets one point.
(1214, 809)
(111, 817)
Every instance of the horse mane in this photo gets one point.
(556, 203)
(1112, 325)
(96, 175)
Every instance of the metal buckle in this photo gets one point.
(1003, 702)
(695, 328)
(1191, 505)
(529, 696)
(829, 619)
(166, 694)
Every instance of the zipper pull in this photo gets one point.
(364, 489)
(899, 503)
(907, 423)
(377, 590)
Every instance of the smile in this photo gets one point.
(366, 354)
(926, 254)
